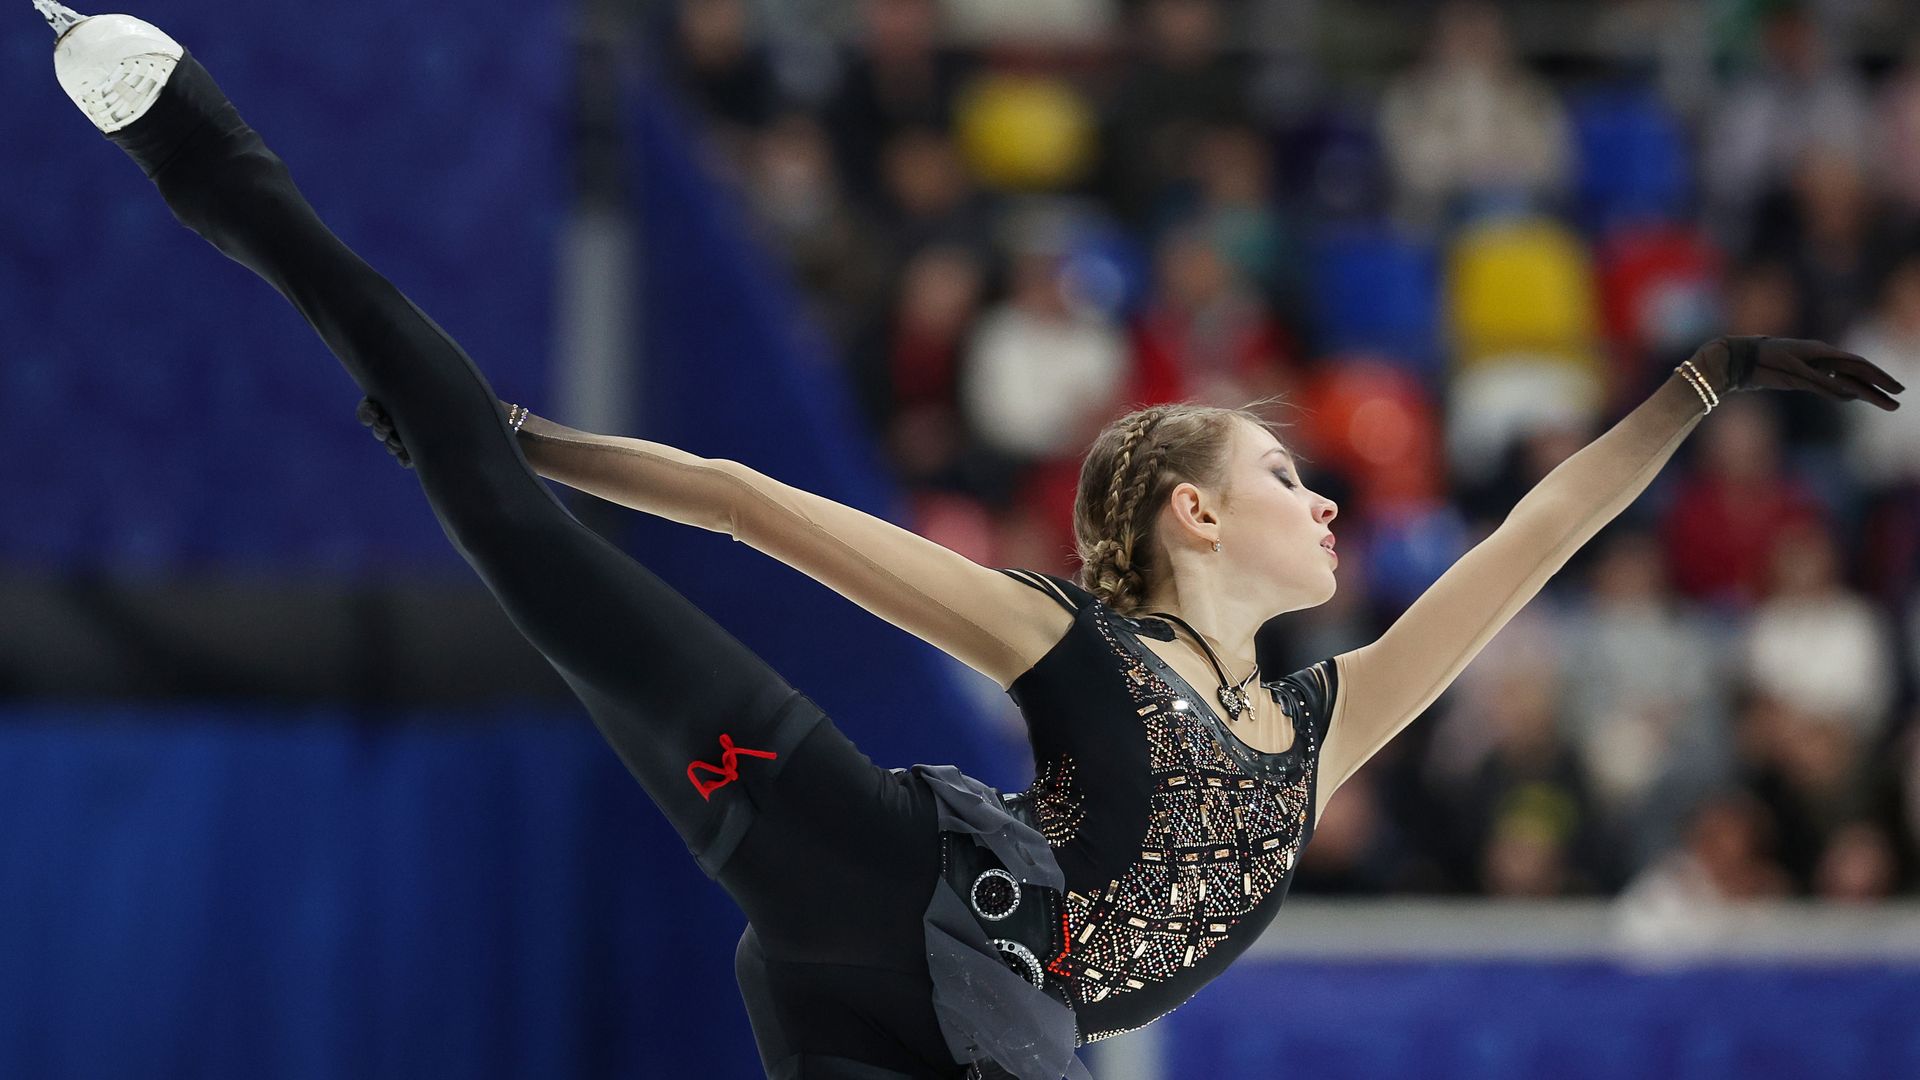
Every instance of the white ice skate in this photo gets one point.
(112, 66)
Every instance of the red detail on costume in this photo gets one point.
(1066, 946)
(726, 770)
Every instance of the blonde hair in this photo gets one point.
(1134, 464)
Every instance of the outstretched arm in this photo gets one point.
(981, 617)
(1386, 684)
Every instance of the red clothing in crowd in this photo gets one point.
(922, 362)
(1175, 358)
(1719, 538)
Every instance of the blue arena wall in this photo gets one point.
(1459, 1019)
(167, 410)
(249, 892)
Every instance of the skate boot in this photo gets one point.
(145, 91)
(112, 66)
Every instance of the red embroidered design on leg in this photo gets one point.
(727, 770)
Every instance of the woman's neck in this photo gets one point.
(1234, 649)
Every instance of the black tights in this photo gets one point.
(831, 858)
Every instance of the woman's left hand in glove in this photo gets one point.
(1776, 363)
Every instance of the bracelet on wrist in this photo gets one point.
(1701, 386)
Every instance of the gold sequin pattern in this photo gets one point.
(1057, 806)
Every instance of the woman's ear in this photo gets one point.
(1192, 512)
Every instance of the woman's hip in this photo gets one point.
(839, 860)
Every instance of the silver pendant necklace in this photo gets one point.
(1232, 696)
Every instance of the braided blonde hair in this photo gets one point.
(1133, 466)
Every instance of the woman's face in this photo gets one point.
(1274, 527)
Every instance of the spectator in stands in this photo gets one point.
(1894, 148)
(831, 246)
(1663, 43)
(1888, 455)
(1177, 82)
(726, 70)
(1524, 462)
(899, 77)
(1526, 853)
(1234, 200)
(1356, 847)
(928, 195)
(1730, 505)
(1727, 857)
(1470, 126)
(1045, 25)
(1643, 708)
(1043, 369)
(1813, 776)
(1818, 645)
(1460, 740)
(1205, 335)
(1886, 464)
(1528, 810)
(1764, 298)
(1829, 232)
(1768, 297)
(1829, 229)
(1858, 865)
(909, 366)
(1756, 134)
(1904, 759)
(1895, 143)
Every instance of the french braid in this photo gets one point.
(1117, 574)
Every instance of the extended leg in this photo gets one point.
(663, 682)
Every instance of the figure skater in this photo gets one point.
(916, 922)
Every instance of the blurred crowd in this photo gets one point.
(1018, 221)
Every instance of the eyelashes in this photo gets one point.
(1283, 478)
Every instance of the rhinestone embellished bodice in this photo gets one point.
(1161, 895)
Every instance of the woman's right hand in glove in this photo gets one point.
(1774, 363)
(375, 419)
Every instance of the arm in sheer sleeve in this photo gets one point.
(982, 618)
(1386, 684)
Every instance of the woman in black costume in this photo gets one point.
(917, 923)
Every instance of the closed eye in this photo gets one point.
(1283, 478)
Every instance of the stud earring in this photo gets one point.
(1216, 545)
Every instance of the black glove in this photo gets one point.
(1774, 363)
(375, 418)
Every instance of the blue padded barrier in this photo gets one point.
(1571, 1020)
(239, 893)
